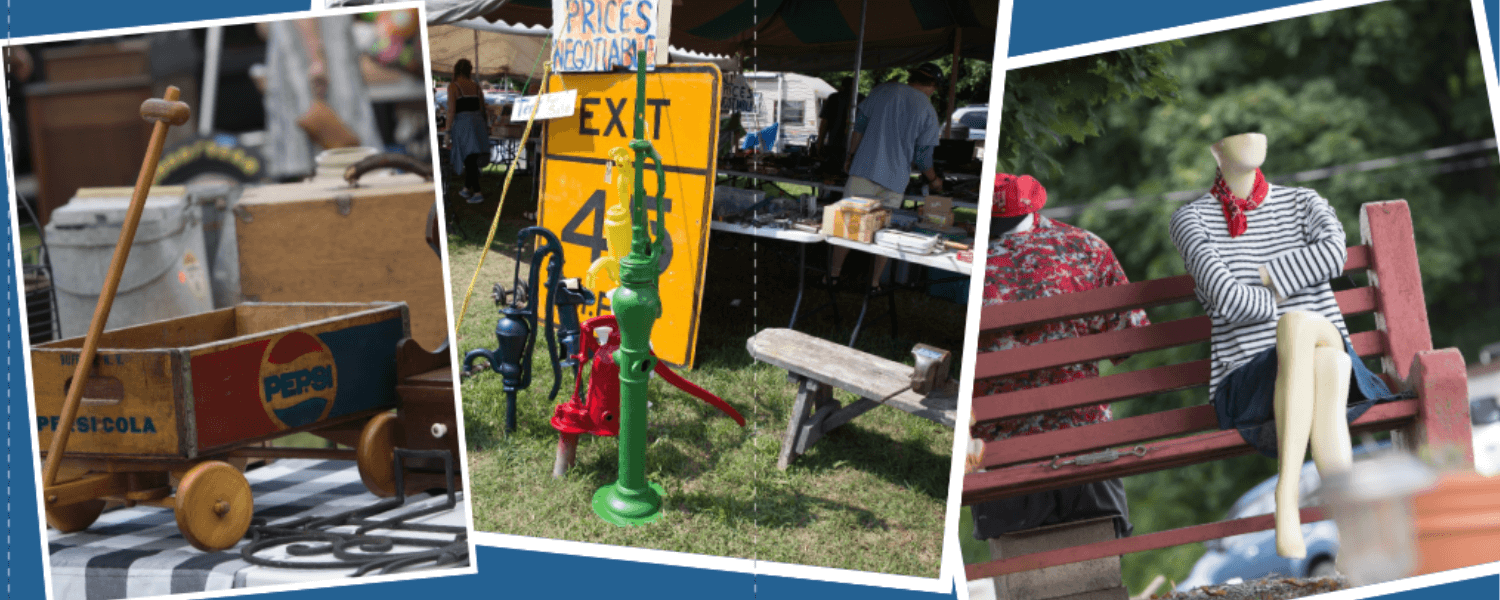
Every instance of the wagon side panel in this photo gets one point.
(129, 405)
(297, 378)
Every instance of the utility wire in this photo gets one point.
(1067, 212)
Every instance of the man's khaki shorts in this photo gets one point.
(864, 188)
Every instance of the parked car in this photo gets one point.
(1484, 414)
(1253, 555)
(973, 116)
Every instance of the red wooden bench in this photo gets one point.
(1438, 415)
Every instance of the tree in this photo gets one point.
(973, 87)
(1047, 106)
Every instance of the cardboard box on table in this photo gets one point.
(323, 241)
(855, 219)
(937, 211)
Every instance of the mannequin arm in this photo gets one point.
(1323, 258)
(1217, 287)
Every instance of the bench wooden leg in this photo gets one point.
(814, 414)
(810, 394)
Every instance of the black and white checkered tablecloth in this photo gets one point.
(138, 552)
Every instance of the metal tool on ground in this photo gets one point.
(516, 331)
(165, 112)
(596, 410)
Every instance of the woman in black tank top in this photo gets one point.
(468, 129)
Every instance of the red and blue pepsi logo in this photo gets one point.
(298, 381)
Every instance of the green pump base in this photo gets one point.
(628, 508)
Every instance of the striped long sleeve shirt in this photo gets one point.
(1294, 234)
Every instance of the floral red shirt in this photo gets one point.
(1049, 259)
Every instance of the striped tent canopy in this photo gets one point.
(492, 53)
(813, 35)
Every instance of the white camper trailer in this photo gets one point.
(790, 99)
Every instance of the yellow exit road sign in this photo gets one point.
(682, 121)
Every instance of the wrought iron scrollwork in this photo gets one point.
(370, 547)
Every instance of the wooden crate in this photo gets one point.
(322, 241)
(201, 385)
(102, 60)
(85, 133)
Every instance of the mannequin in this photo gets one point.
(1263, 255)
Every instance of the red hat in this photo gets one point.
(1017, 196)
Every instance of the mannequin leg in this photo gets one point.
(1331, 448)
(1298, 336)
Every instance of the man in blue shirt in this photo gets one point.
(895, 128)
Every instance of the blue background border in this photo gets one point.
(1037, 25)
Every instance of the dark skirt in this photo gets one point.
(1246, 397)
(1077, 503)
(469, 135)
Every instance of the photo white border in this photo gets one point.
(942, 583)
(952, 550)
(1487, 58)
(421, 7)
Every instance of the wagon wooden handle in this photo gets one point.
(166, 112)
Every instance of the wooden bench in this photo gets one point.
(1438, 414)
(817, 366)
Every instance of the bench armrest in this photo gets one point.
(1439, 379)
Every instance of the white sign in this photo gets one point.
(599, 35)
(554, 105)
(738, 97)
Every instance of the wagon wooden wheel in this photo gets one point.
(214, 506)
(376, 454)
(74, 517)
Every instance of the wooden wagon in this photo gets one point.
(172, 406)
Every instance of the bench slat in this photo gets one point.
(866, 375)
(1122, 386)
(1111, 434)
(1143, 294)
(1111, 344)
(1137, 543)
(1095, 390)
(1039, 476)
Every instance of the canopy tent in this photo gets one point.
(787, 35)
(498, 48)
(493, 53)
(811, 35)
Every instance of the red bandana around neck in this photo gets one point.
(1234, 206)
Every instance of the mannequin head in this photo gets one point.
(1240, 153)
(1238, 157)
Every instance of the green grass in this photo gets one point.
(30, 238)
(869, 496)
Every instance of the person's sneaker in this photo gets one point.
(464, 193)
(476, 198)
